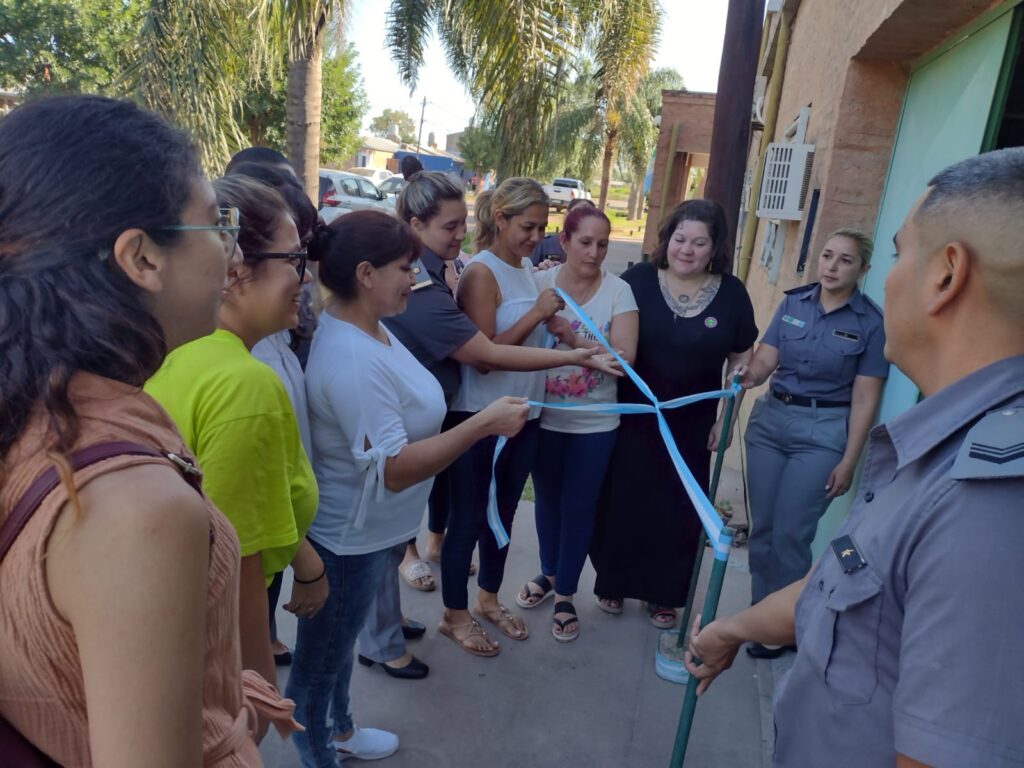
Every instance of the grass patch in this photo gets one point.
(528, 494)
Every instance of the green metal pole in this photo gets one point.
(690, 702)
(716, 475)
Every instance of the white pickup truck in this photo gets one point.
(561, 192)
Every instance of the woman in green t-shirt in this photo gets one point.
(236, 417)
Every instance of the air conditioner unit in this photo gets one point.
(787, 175)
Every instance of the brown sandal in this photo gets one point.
(503, 619)
(461, 633)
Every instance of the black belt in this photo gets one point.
(807, 401)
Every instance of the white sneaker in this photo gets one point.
(367, 744)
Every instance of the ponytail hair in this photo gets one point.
(512, 197)
(371, 236)
(65, 305)
(423, 194)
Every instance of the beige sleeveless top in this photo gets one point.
(41, 688)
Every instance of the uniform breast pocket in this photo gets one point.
(847, 645)
(841, 354)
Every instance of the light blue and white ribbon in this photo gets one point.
(718, 533)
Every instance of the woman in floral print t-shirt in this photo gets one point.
(572, 439)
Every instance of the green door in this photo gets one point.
(945, 114)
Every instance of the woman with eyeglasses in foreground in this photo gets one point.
(119, 597)
(236, 417)
(375, 414)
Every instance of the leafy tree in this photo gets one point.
(64, 46)
(344, 105)
(381, 125)
(478, 147)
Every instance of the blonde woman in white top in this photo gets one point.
(498, 293)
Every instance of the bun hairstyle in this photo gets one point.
(422, 196)
(512, 197)
(576, 216)
(65, 304)
(709, 213)
(371, 236)
(260, 208)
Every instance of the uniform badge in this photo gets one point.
(711, 322)
(849, 556)
(793, 321)
(848, 335)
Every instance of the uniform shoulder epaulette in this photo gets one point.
(993, 448)
(871, 303)
(801, 289)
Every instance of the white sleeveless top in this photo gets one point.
(518, 294)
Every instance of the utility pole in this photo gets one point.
(730, 137)
(423, 112)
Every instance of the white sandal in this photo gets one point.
(417, 574)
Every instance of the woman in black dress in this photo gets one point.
(693, 320)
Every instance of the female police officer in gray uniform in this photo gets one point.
(804, 437)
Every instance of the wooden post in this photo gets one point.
(731, 134)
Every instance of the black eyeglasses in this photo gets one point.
(297, 260)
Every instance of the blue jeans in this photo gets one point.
(467, 525)
(567, 478)
(322, 661)
(381, 638)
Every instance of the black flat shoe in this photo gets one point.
(758, 651)
(413, 630)
(414, 670)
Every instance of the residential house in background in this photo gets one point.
(858, 105)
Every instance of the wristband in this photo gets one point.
(312, 581)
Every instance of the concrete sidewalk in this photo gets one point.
(594, 702)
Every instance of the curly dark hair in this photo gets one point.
(709, 213)
(76, 172)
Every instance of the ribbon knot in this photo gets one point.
(718, 533)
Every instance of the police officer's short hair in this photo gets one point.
(991, 178)
(709, 213)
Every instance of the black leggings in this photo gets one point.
(471, 482)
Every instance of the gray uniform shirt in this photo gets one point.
(918, 651)
(820, 353)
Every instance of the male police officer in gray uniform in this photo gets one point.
(911, 624)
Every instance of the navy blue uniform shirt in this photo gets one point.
(433, 327)
(820, 353)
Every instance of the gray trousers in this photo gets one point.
(381, 638)
(791, 450)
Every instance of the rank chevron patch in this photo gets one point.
(996, 455)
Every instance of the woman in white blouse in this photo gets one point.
(375, 418)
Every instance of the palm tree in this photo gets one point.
(638, 134)
(625, 42)
(509, 54)
(192, 54)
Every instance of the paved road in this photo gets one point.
(595, 702)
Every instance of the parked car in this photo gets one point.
(563, 191)
(392, 185)
(347, 190)
(376, 175)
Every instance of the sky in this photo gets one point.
(691, 42)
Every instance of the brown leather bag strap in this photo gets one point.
(49, 479)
